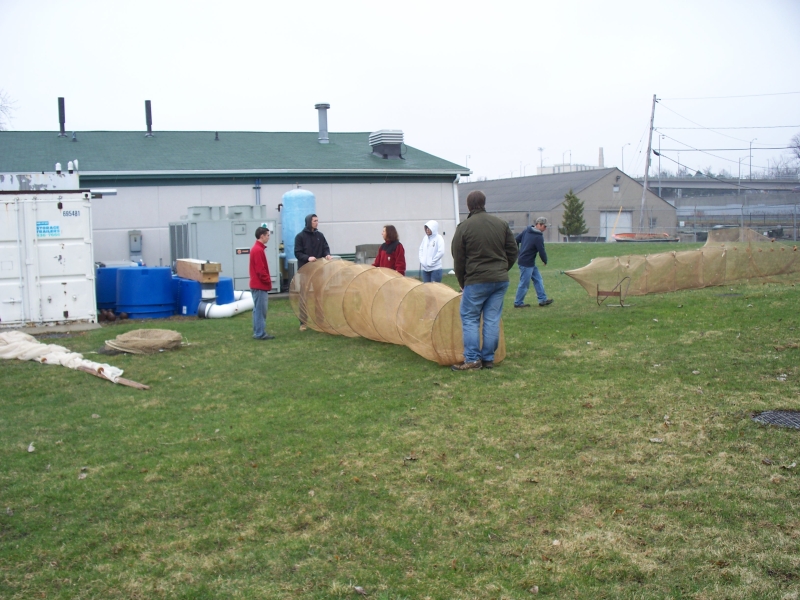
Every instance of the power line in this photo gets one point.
(764, 127)
(708, 151)
(743, 96)
(736, 185)
(718, 149)
(693, 149)
(703, 126)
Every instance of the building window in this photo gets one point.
(511, 224)
(616, 188)
(653, 222)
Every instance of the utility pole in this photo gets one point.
(647, 165)
(541, 160)
(659, 164)
(751, 157)
(739, 190)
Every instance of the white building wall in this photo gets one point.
(350, 214)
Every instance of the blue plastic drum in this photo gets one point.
(176, 293)
(145, 292)
(189, 298)
(105, 287)
(224, 290)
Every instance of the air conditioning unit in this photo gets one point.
(211, 233)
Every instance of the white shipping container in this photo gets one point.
(46, 258)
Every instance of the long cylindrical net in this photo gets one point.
(341, 298)
(729, 256)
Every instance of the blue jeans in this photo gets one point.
(260, 304)
(526, 274)
(432, 276)
(482, 299)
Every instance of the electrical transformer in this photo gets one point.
(225, 236)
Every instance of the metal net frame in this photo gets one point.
(341, 298)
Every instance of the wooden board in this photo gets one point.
(198, 270)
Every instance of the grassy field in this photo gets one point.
(612, 455)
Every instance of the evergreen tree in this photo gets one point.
(574, 223)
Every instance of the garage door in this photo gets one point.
(615, 222)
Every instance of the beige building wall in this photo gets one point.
(615, 193)
(350, 214)
(608, 195)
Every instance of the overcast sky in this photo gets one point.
(490, 80)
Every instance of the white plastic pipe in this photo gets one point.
(243, 301)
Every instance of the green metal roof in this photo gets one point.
(193, 154)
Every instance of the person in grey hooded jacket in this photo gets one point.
(431, 251)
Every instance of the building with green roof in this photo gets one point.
(361, 181)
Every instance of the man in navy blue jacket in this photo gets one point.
(531, 243)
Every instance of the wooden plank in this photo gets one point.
(197, 270)
(120, 380)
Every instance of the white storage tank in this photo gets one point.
(46, 258)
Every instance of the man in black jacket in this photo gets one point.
(309, 245)
(531, 243)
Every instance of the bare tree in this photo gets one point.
(6, 110)
(782, 168)
(795, 144)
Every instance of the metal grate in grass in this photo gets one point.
(781, 418)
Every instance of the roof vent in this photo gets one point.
(323, 122)
(387, 143)
(148, 116)
(61, 117)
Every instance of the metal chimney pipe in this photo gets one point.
(323, 122)
(61, 117)
(600, 161)
(149, 118)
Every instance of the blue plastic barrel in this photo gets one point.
(224, 290)
(176, 293)
(296, 205)
(189, 298)
(105, 287)
(145, 292)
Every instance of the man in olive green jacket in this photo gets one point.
(484, 250)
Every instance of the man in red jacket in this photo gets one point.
(260, 284)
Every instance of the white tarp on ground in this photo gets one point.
(15, 344)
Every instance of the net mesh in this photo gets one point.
(146, 341)
(734, 255)
(340, 298)
(358, 300)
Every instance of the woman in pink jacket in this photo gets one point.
(391, 255)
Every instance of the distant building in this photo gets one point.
(571, 168)
(612, 203)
